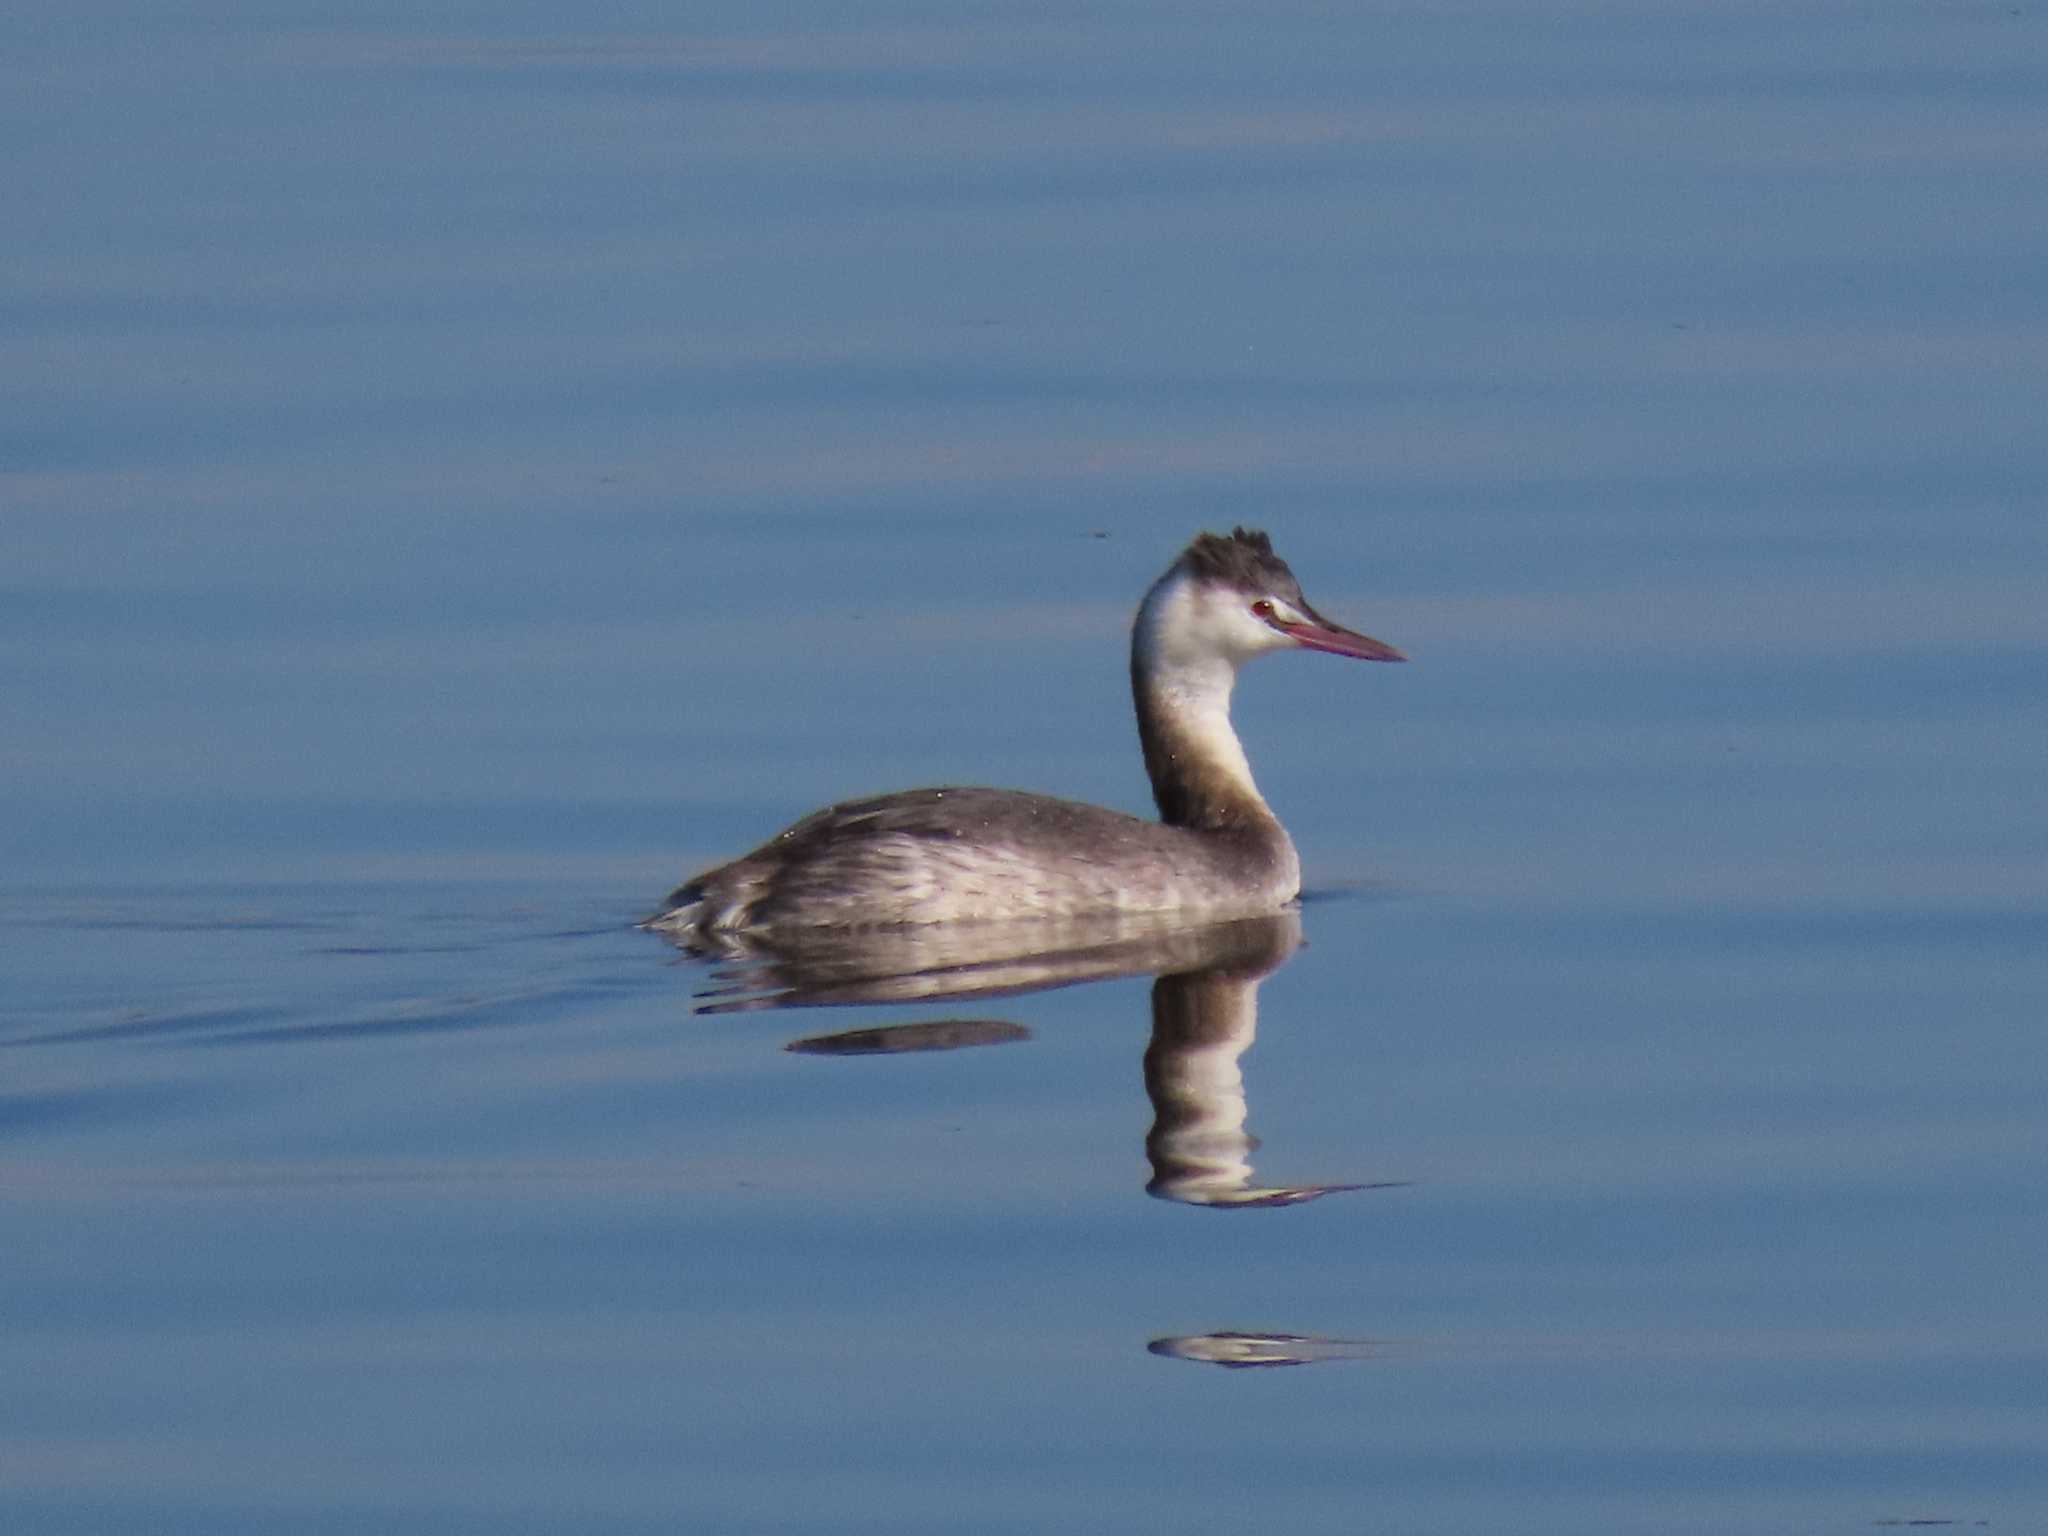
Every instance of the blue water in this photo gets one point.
(460, 471)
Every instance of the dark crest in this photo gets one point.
(1245, 560)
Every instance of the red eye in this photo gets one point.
(1263, 609)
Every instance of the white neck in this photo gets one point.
(1180, 682)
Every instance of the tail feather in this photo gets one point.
(682, 910)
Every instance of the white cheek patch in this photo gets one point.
(1186, 628)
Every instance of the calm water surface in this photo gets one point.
(462, 472)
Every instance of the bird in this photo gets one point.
(968, 855)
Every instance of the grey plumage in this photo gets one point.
(964, 854)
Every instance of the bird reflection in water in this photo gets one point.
(1204, 1013)
(1243, 1351)
(903, 1039)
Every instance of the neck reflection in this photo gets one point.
(1203, 1021)
(1204, 1015)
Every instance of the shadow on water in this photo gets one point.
(1204, 1005)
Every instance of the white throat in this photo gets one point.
(1185, 651)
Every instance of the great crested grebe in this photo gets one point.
(970, 855)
